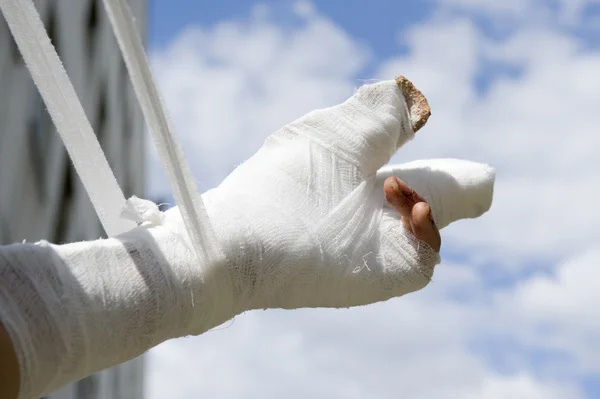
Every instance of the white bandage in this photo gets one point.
(303, 223)
(455, 189)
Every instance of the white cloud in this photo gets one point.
(563, 12)
(569, 296)
(304, 9)
(522, 387)
(538, 129)
(231, 85)
(413, 347)
(557, 312)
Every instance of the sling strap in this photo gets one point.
(170, 153)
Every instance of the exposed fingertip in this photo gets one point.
(394, 196)
(421, 212)
(423, 225)
(404, 188)
(391, 188)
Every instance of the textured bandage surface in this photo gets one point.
(303, 223)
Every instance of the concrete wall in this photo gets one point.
(41, 196)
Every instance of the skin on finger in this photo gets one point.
(392, 188)
(423, 226)
(414, 211)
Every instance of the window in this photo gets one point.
(4, 231)
(88, 388)
(92, 26)
(126, 133)
(51, 24)
(39, 131)
(14, 51)
(40, 128)
(66, 199)
(101, 113)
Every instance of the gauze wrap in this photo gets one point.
(303, 223)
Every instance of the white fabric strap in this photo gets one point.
(171, 156)
(67, 113)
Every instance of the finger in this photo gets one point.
(415, 213)
(402, 198)
(399, 195)
(423, 226)
(398, 190)
(454, 189)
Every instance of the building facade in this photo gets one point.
(41, 196)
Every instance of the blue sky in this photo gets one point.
(376, 25)
(512, 310)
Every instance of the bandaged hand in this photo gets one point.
(305, 222)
